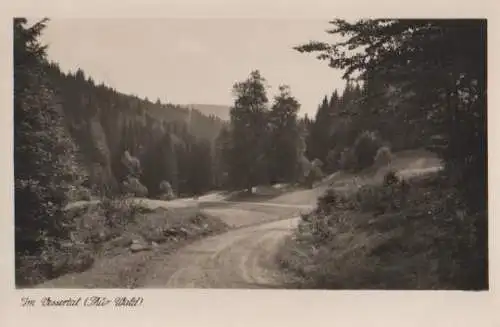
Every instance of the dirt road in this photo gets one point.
(242, 258)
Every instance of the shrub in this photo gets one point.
(327, 200)
(383, 156)
(132, 186)
(305, 168)
(348, 161)
(78, 193)
(315, 173)
(390, 178)
(380, 199)
(371, 198)
(365, 148)
(131, 164)
(332, 200)
(316, 163)
(166, 191)
(333, 159)
(119, 211)
(55, 260)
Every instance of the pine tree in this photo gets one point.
(44, 154)
(320, 134)
(284, 140)
(334, 102)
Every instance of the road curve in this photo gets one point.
(242, 258)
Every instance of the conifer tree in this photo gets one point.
(44, 154)
(284, 137)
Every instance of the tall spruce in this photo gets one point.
(318, 140)
(44, 154)
(284, 138)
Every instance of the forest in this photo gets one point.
(424, 87)
(417, 84)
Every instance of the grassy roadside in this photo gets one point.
(410, 235)
(113, 242)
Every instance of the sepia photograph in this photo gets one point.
(174, 153)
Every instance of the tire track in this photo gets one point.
(243, 258)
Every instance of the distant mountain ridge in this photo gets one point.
(220, 111)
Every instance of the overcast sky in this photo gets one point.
(194, 60)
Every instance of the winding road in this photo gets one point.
(245, 257)
(242, 258)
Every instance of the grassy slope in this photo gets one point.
(422, 243)
(114, 264)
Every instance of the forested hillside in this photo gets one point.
(371, 107)
(105, 123)
(219, 111)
